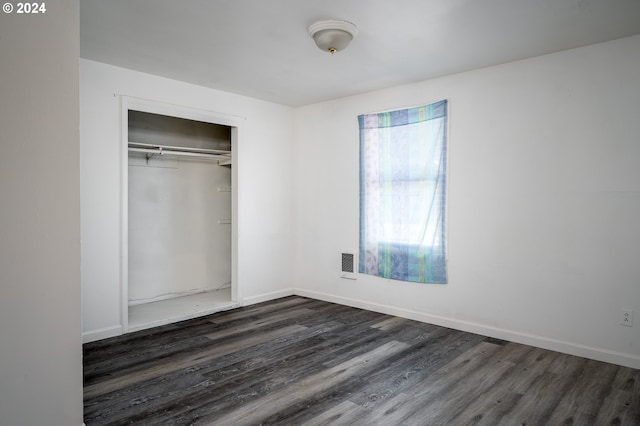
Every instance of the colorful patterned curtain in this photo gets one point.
(402, 194)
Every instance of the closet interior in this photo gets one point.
(179, 219)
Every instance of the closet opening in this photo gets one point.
(179, 232)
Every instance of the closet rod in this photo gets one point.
(178, 148)
(160, 151)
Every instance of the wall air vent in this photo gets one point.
(348, 264)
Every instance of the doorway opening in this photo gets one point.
(179, 233)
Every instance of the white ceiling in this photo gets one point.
(260, 48)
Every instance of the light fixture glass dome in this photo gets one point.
(332, 36)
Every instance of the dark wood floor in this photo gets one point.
(298, 361)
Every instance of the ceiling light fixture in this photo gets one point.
(332, 36)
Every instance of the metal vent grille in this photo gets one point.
(348, 264)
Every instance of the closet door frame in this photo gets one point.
(128, 103)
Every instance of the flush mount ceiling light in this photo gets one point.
(332, 36)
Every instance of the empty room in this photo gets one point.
(321, 213)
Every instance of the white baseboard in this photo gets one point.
(598, 354)
(101, 333)
(246, 301)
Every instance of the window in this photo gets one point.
(402, 194)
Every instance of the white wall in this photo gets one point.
(544, 201)
(264, 186)
(40, 348)
(544, 195)
(176, 244)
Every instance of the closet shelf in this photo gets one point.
(223, 157)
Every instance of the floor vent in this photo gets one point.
(348, 264)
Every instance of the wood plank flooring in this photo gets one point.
(298, 361)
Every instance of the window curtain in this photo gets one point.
(402, 194)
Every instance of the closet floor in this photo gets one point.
(153, 314)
